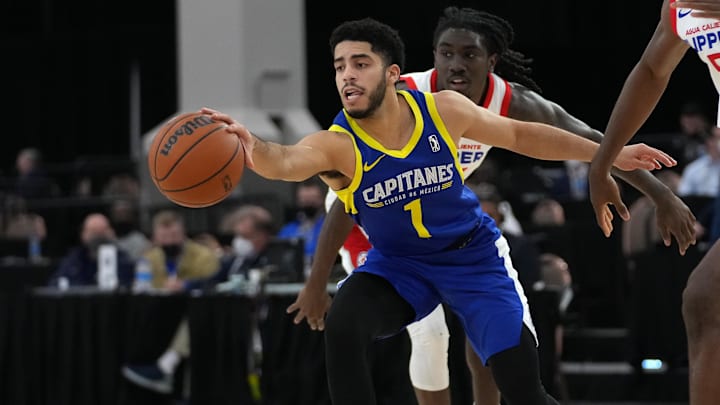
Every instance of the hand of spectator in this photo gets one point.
(174, 284)
(311, 303)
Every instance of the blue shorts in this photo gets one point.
(477, 282)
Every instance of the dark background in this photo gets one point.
(66, 64)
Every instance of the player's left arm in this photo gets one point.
(463, 118)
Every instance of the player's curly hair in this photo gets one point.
(497, 34)
(383, 39)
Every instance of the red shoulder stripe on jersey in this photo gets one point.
(433, 81)
(505, 106)
(673, 17)
(490, 90)
(409, 81)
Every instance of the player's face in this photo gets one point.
(462, 62)
(360, 78)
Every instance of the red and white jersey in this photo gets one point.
(471, 153)
(497, 99)
(703, 35)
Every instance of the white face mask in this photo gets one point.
(242, 247)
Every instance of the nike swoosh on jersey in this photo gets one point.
(367, 167)
(684, 13)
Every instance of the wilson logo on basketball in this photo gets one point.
(187, 129)
(227, 183)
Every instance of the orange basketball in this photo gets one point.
(194, 162)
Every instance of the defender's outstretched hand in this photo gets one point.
(674, 218)
(234, 127)
(701, 8)
(603, 193)
(642, 156)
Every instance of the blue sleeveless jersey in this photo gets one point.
(411, 201)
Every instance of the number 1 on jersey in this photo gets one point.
(416, 217)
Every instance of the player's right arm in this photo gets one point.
(638, 98)
(322, 151)
(313, 301)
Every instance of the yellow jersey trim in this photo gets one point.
(346, 194)
(440, 125)
(409, 146)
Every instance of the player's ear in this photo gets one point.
(393, 73)
(492, 60)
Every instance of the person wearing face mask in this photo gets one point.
(79, 267)
(310, 203)
(124, 217)
(253, 229)
(175, 259)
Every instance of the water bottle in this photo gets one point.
(107, 278)
(34, 249)
(143, 276)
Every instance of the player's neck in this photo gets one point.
(391, 124)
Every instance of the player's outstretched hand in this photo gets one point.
(701, 8)
(603, 193)
(311, 304)
(642, 156)
(234, 127)
(674, 218)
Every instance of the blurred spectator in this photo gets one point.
(21, 224)
(80, 266)
(640, 233)
(175, 259)
(548, 212)
(701, 177)
(555, 275)
(32, 180)
(252, 228)
(523, 251)
(125, 221)
(508, 224)
(310, 206)
(211, 242)
(695, 126)
(122, 185)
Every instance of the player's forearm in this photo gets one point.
(638, 98)
(277, 162)
(335, 229)
(542, 141)
(645, 182)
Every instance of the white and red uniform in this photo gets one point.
(703, 35)
(471, 153)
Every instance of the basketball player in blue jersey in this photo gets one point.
(391, 156)
(679, 29)
(472, 56)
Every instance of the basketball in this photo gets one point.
(194, 162)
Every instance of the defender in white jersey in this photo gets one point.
(472, 56)
(683, 25)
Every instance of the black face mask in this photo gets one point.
(172, 251)
(123, 228)
(308, 211)
(94, 243)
